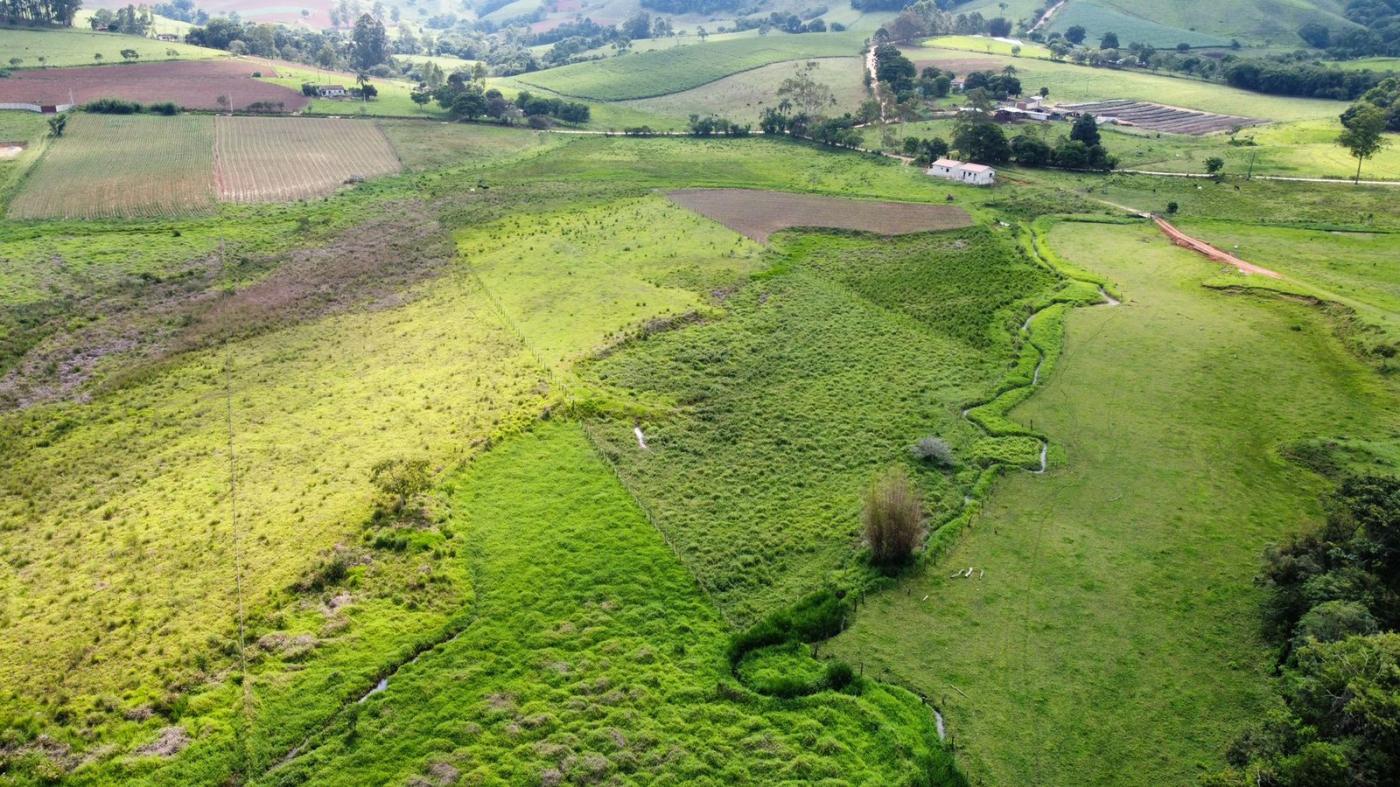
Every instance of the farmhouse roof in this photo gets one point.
(976, 168)
(947, 162)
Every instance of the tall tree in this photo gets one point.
(804, 91)
(1361, 135)
(371, 43)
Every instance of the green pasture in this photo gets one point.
(1354, 270)
(1263, 22)
(1070, 83)
(432, 145)
(1099, 18)
(753, 472)
(1113, 636)
(986, 45)
(592, 655)
(671, 70)
(77, 47)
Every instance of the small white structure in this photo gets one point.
(331, 91)
(962, 172)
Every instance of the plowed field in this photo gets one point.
(759, 214)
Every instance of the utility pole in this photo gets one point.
(1250, 174)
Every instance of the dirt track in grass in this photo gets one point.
(758, 214)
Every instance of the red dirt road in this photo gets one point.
(1201, 247)
(195, 84)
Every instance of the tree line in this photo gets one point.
(40, 12)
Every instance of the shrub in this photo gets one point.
(934, 450)
(164, 108)
(1172, 207)
(112, 106)
(892, 517)
(839, 675)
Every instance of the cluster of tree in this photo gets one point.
(40, 12)
(933, 18)
(977, 137)
(1378, 32)
(925, 151)
(1385, 97)
(784, 119)
(1312, 81)
(130, 20)
(182, 10)
(998, 86)
(715, 126)
(368, 46)
(691, 6)
(788, 23)
(1333, 606)
(466, 98)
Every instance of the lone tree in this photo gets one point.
(806, 92)
(400, 479)
(57, 123)
(130, 55)
(1086, 130)
(1109, 41)
(892, 516)
(1075, 34)
(1362, 134)
(371, 43)
(1214, 164)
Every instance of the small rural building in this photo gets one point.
(963, 172)
(331, 91)
(167, 37)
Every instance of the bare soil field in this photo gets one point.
(276, 159)
(961, 65)
(122, 166)
(759, 214)
(1157, 117)
(194, 84)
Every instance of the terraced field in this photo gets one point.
(1155, 117)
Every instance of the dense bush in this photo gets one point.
(714, 126)
(1333, 604)
(112, 106)
(818, 616)
(934, 450)
(893, 517)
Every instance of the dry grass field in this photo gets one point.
(278, 159)
(759, 214)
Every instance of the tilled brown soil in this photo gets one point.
(759, 214)
(194, 84)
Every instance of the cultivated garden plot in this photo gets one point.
(759, 214)
(122, 166)
(1156, 117)
(195, 84)
(280, 159)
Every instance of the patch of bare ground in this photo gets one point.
(170, 741)
(141, 322)
(759, 214)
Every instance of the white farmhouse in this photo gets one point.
(962, 172)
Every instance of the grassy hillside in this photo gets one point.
(76, 47)
(660, 72)
(742, 97)
(1251, 21)
(1111, 636)
(1097, 19)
